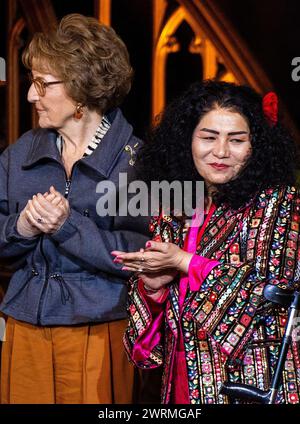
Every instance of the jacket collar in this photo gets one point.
(103, 158)
(43, 147)
(112, 145)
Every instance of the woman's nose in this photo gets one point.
(32, 95)
(221, 149)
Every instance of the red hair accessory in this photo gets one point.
(270, 107)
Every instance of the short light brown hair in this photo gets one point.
(89, 56)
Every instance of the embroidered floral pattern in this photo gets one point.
(230, 332)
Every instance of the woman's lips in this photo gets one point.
(219, 166)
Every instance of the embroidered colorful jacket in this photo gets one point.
(230, 332)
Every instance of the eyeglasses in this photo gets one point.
(40, 85)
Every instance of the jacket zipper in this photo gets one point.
(68, 182)
(46, 282)
(67, 187)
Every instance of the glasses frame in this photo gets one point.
(40, 85)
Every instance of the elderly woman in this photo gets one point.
(197, 306)
(66, 303)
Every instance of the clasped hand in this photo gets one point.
(44, 213)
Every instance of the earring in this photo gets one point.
(79, 111)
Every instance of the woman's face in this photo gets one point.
(55, 109)
(220, 146)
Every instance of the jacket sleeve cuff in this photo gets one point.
(149, 339)
(155, 304)
(11, 231)
(69, 227)
(199, 268)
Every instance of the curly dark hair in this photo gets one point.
(166, 154)
(88, 56)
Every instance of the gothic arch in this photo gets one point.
(215, 40)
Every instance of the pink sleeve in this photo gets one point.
(151, 337)
(199, 268)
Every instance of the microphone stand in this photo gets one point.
(244, 391)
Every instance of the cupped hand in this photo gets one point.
(157, 257)
(24, 226)
(48, 212)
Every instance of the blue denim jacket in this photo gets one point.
(67, 277)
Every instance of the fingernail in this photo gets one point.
(117, 261)
(148, 244)
(125, 268)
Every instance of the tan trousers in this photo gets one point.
(76, 364)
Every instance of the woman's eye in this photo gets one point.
(208, 138)
(237, 140)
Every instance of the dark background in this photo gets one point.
(270, 28)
